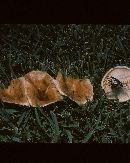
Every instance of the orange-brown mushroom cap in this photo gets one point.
(36, 88)
(78, 90)
(122, 74)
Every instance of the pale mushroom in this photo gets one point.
(116, 83)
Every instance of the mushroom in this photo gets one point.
(116, 83)
(78, 90)
(36, 88)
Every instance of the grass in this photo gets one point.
(82, 51)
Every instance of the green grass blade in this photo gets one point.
(38, 119)
(70, 137)
(21, 119)
(55, 123)
(11, 111)
(88, 136)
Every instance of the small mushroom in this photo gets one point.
(78, 90)
(116, 83)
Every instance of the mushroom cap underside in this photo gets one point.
(121, 73)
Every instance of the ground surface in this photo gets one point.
(78, 50)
